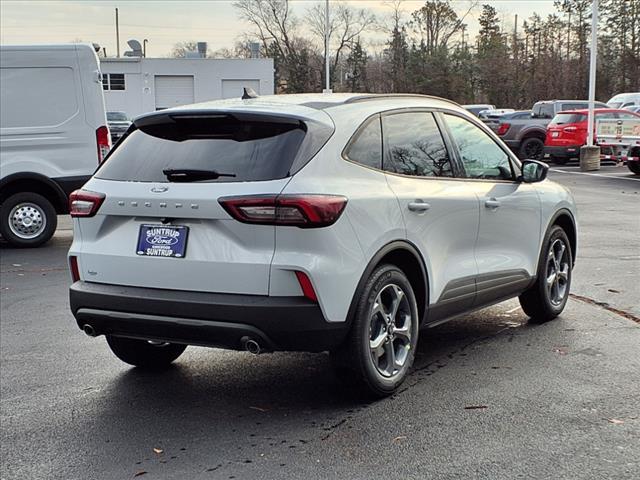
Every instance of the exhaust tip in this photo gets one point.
(89, 330)
(251, 345)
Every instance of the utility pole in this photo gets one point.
(117, 35)
(144, 48)
(327, 88)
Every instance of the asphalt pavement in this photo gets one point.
(490, 395)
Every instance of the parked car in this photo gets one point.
(633, 108)
(118, 124)
(526, 136)
(477, 108)
(339, 222)
(53, 134)
(624, 100)
(567, 132)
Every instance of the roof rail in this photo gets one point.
(382, 96)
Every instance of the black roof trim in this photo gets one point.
(384, 96)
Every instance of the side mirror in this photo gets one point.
(533, 171)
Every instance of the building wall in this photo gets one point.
(138, 97)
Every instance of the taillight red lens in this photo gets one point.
(304, 211)
(569, 129)
(103, 139)
(83, 203)
(73, 266)
(503, 128)
(306, 286)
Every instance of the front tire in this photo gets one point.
(546, 299)
(27, 220)
(634, 167)
(143, 354)
(380, 348)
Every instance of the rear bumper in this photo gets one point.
(207, 319)
(562, 152)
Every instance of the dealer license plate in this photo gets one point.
(162, 241)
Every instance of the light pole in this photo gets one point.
(590, 154)
(327, 88)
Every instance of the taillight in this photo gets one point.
(306, 286)
(304, 211)
(503, 128)
(73, 266)
(570, 129)
(104, 142)
(83, 203)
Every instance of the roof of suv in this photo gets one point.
(319, 101)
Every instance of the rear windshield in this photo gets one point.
(243, 150)
(117, 116)
(563, 118)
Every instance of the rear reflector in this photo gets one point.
(103, 138)
(75, 271)
(304, 211)
(306, 286)
(83, 203)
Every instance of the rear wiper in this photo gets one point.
(190, 175)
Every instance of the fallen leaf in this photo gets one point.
(560, 350)
(613, 290)
(158, 450)
(140, 473)
(400, 437)
(475, 407)
(615, 421)
(259, 409)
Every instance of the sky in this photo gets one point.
(163, 23)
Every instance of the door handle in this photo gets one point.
(492, 203)
(419, 206)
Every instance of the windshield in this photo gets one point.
(117, 117)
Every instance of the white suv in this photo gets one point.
(339, 222)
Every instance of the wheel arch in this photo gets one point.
(564, 219)
(36, 183)
(533, 133)
(407, 257)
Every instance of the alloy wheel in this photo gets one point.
(557, 272)
(390, 330)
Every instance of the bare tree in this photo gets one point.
(436, 22)
(180, 49)
(346, 24)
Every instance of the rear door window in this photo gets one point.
(251, 150)
(413, 145)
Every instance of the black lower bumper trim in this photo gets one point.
(208, 319)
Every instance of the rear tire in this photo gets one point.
(546, 299)
(27, 220)
(634, 167)
(380, 348)
(141, 353)
(531, 148)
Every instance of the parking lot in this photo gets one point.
(489, 397)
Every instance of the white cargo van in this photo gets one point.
(53, 134)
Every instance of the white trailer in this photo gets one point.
(619, 140)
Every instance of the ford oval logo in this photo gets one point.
(162, 236)
(159, 189)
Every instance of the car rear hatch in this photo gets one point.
(566, 129)
(160, 224)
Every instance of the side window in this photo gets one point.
(546, 111)
(414, 145)
(366, 148)
(626, 116)
(480, 155)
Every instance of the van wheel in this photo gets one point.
(634, 166)
(27, 220)
(546, 299)
(380, 348)
(144, 354)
